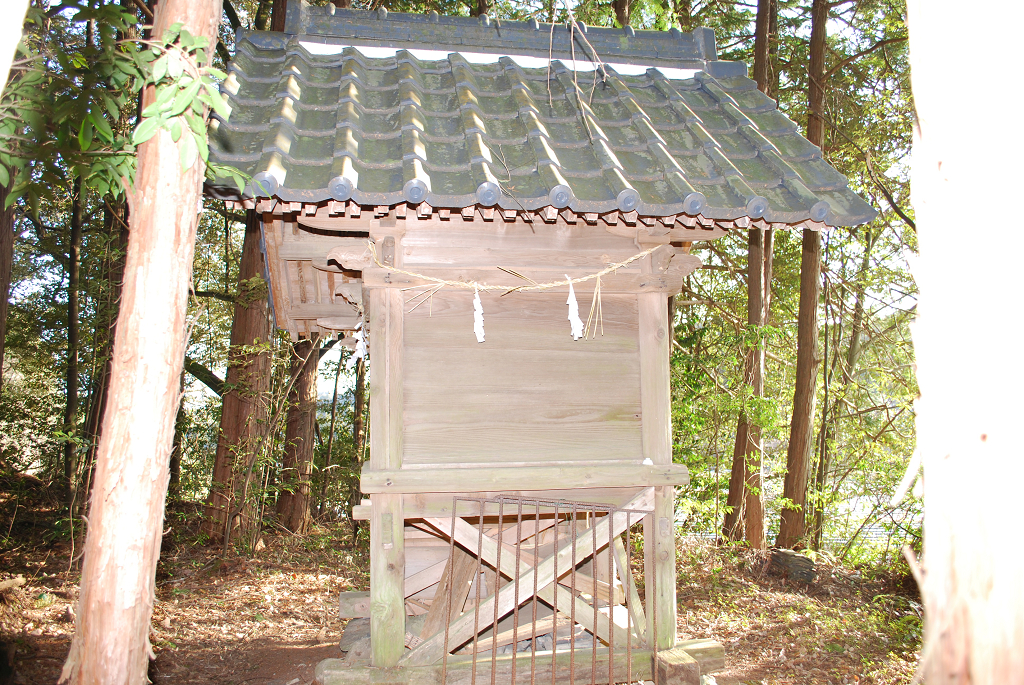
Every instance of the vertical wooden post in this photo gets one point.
(656, 436)
(387, 522)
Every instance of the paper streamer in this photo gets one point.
(478, 317)
(575, 322)
(360, 352)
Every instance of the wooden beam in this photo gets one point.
(619, 282)
(656, 433)
(422, 505)
(475, 479)
(387, 523)
(460, 670)
(387, 571)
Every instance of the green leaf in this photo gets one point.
(102, 127)
(174, 66)
(204, 149)
(216, 73)
(175, 129)
(85, 135)
(186, 39)
(146, 130)
(160, 68)
(195, 123)
(187, 151)
(5, 176)
(184, 98)
(218, 103)
(165, 95)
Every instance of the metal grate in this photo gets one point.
(543, 561)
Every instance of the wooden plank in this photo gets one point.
(424, 578)
(521, 477)
(387, 570)
(636, 609)
(452, 591)
(461, 629)
(311, 247)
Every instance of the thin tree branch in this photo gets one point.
(215, 294)
(888, 41)
(205, 376)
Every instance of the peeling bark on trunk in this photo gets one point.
(297, 464)
(115, 606)
(244, 410)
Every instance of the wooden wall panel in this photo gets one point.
(529, 392)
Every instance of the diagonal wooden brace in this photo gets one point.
(461, 628)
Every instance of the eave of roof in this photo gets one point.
(311, 127)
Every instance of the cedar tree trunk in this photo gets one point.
(297, 465)
(801, 429)
(112, 624)
(970, 407)
(244, 410)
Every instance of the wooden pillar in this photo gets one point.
(387, 523)
(656, 436)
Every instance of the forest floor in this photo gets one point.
(268, 618)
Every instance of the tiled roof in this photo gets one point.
(310, 127)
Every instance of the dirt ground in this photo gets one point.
(269, 617)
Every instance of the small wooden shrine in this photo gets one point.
(440, 189)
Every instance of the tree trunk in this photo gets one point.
(481, 7)
(359, 439)
(244, 409)
(325, 474)
(621, 8)
(180, 421)
(297, 464)
(801, 429)
(856, 346)
(816, 73)
(71, 376)
(115, 605)
(6, 264)
(277, 16)
(968, 413)
(764, 71)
